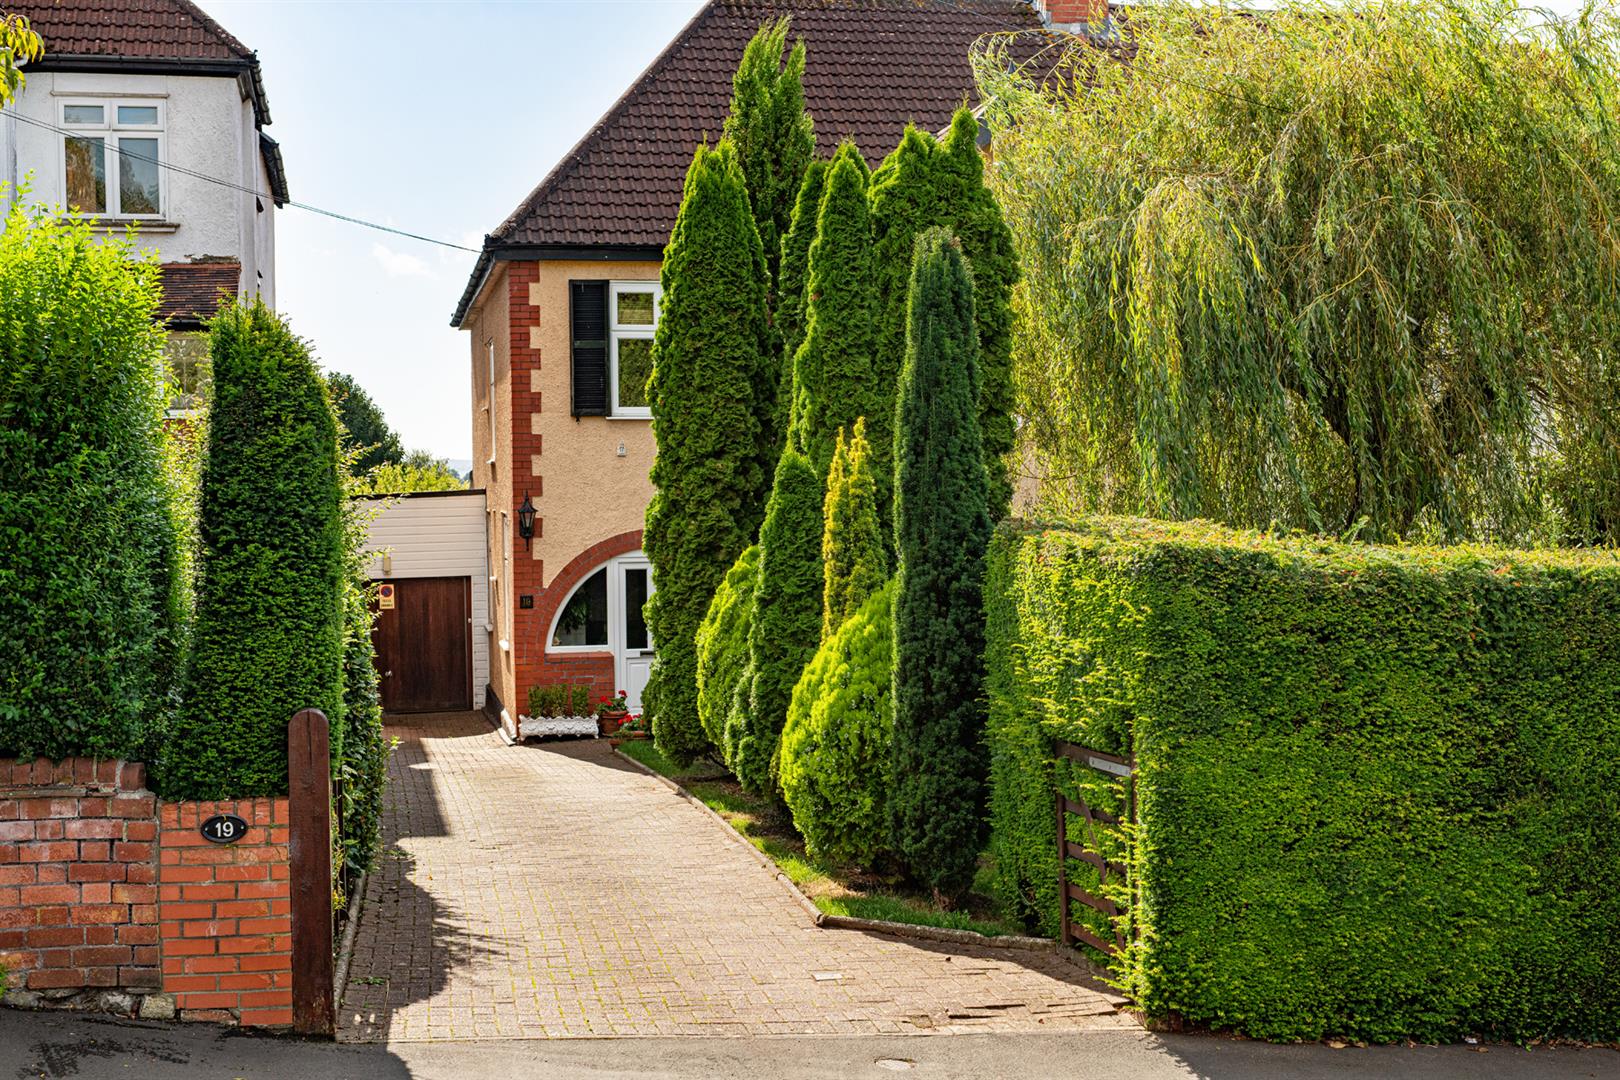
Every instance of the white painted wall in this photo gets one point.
(208, 128)
(437, 535)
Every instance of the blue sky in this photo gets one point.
(438, 119)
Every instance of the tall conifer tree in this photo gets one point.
(794, 277)
(834, 384)
(942, 526)
(851, 548)
(710, 352)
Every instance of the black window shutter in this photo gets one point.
(588, 309)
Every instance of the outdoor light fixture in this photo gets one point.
(526, 521)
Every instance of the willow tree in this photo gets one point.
(1338, 268)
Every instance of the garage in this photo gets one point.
(428, 564)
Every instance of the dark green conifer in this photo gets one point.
(794, 276)
(710, 358)
(942, 526)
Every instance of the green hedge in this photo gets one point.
(836, 741)
(270, 614)
(90, 597)
(362, 753)
(1378, 787)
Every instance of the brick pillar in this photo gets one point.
(226, 914)
(529, 412)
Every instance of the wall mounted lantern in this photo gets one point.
(526, 520)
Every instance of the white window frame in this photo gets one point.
(615, 599)
(617, 333)
(489, 408)
(109, 132)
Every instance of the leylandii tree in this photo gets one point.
(786, 625)
(270, 606)
(793, 276)
(921, 184)
(941, 527)
(1326, 267)
(852, 563)
(775, 138)
(710, 353)
(833, 380)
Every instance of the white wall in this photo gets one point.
(437, 535)
(208, 128)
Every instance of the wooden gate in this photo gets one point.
(423, 644)
(1090, 850)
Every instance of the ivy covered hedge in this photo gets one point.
(91, 603)
(1377, 787)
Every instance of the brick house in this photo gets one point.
(562, 303)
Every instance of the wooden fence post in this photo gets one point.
(310, 809)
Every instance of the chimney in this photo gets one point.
(1073, 16)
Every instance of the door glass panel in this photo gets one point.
(585, 617)
(138, 176)
(635, 367)
(635, 598)
(86, 175)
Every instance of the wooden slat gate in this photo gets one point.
(1089, 850)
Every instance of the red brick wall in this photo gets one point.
(78, 872)
(226, 914)
(112, 900)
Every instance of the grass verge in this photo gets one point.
(833, 888)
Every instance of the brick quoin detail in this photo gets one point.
(534, 665)
(226, 913)
(78, 873)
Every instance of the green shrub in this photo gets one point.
(90, 597)
(713, 374)
(851, 548)
(270, 610)
(722, 648)
(1377, 786)
(787, 614)
(836, 742)
(941, 528)
(560, 699)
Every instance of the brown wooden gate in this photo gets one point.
(423, 645)
(1089, 850)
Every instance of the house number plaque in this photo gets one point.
(224, 829)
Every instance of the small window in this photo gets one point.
(635, 316)
(96, 145)
(584, 618)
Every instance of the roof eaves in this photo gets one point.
(270, 150)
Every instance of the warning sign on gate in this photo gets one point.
(385, 597)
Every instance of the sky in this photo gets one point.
(434, 118)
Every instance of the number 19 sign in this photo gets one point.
(224, 829)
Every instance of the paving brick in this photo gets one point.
(555, 891)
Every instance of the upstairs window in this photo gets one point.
(613, 324)
(110, 157)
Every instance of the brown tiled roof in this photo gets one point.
(872, 66)
(139, 29)
(193, 292)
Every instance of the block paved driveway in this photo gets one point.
(529, 892)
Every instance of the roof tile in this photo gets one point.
(193, 292)
(142, 29)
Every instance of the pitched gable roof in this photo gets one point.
(872, 67)
(148, 29)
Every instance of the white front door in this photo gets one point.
(634, 649)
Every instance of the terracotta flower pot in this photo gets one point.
(609, 721)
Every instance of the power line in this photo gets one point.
(194, 174)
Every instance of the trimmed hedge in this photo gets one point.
(91, 602)
(836, 742)
(269, 636)
(852, 562)
(1378, 787)
(722, 650)
(362, 753)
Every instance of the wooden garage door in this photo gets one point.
(424, 645)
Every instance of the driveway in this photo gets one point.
(558, 891)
